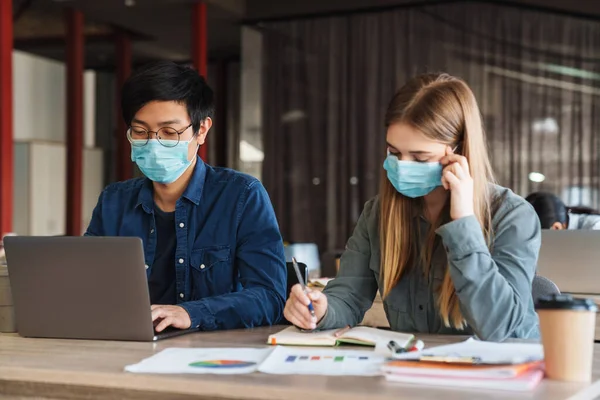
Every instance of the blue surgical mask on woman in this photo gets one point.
(159, 163)
(412, 178)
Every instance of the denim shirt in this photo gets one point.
(493, 285)
(229, 260)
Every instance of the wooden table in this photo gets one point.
(70, 369)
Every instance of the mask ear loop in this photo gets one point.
(197, 145)
(456, 148)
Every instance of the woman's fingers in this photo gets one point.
(451, 178)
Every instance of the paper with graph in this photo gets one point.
(278, 360)
(202, 361)
(316, 361)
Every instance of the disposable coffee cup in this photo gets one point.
(567, 326)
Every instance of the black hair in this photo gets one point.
(549, 208)
(168, 81)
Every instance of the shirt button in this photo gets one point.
(181, 295)
(181, 225)
(146, 265)
(202, 266)
(151, 230)
(181, 261)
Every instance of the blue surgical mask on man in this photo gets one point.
(412, 178)
(159, 163)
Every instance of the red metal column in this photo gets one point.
(74, 56)
(220, 134)
(199, 51)
(123, 61)
(6, 118)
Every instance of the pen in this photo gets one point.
(395, 347)
(340, 332)
(301, 281)
(410, 344)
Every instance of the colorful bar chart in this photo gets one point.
(317, 361)
(296, 358)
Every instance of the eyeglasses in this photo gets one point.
(167, 136)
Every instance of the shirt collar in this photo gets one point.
(193, 192)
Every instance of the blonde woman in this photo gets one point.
(449, 251)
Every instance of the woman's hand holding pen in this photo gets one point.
(296, 309)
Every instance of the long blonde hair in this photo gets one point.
(444, 109)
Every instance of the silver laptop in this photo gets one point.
(571, 258)
(81, 288)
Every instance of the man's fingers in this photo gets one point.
(166, 322)
(159, 313)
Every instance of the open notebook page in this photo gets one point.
(374, 336)
(359, 335)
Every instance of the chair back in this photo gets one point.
(308, 253)
(543, 287)
(292, 279)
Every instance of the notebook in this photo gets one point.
(319, 283)
(361, 335)
(465, 371)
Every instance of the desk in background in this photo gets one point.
(7, 316)
(70, 369)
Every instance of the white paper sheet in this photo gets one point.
(226, 361)
(486, 352)
(317, 361)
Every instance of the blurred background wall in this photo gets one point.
(301, 90)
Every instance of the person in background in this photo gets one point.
(449, 251)
(214, 254)
(554, 214)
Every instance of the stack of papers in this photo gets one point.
(472, 364)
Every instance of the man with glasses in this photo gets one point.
(214, 253)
